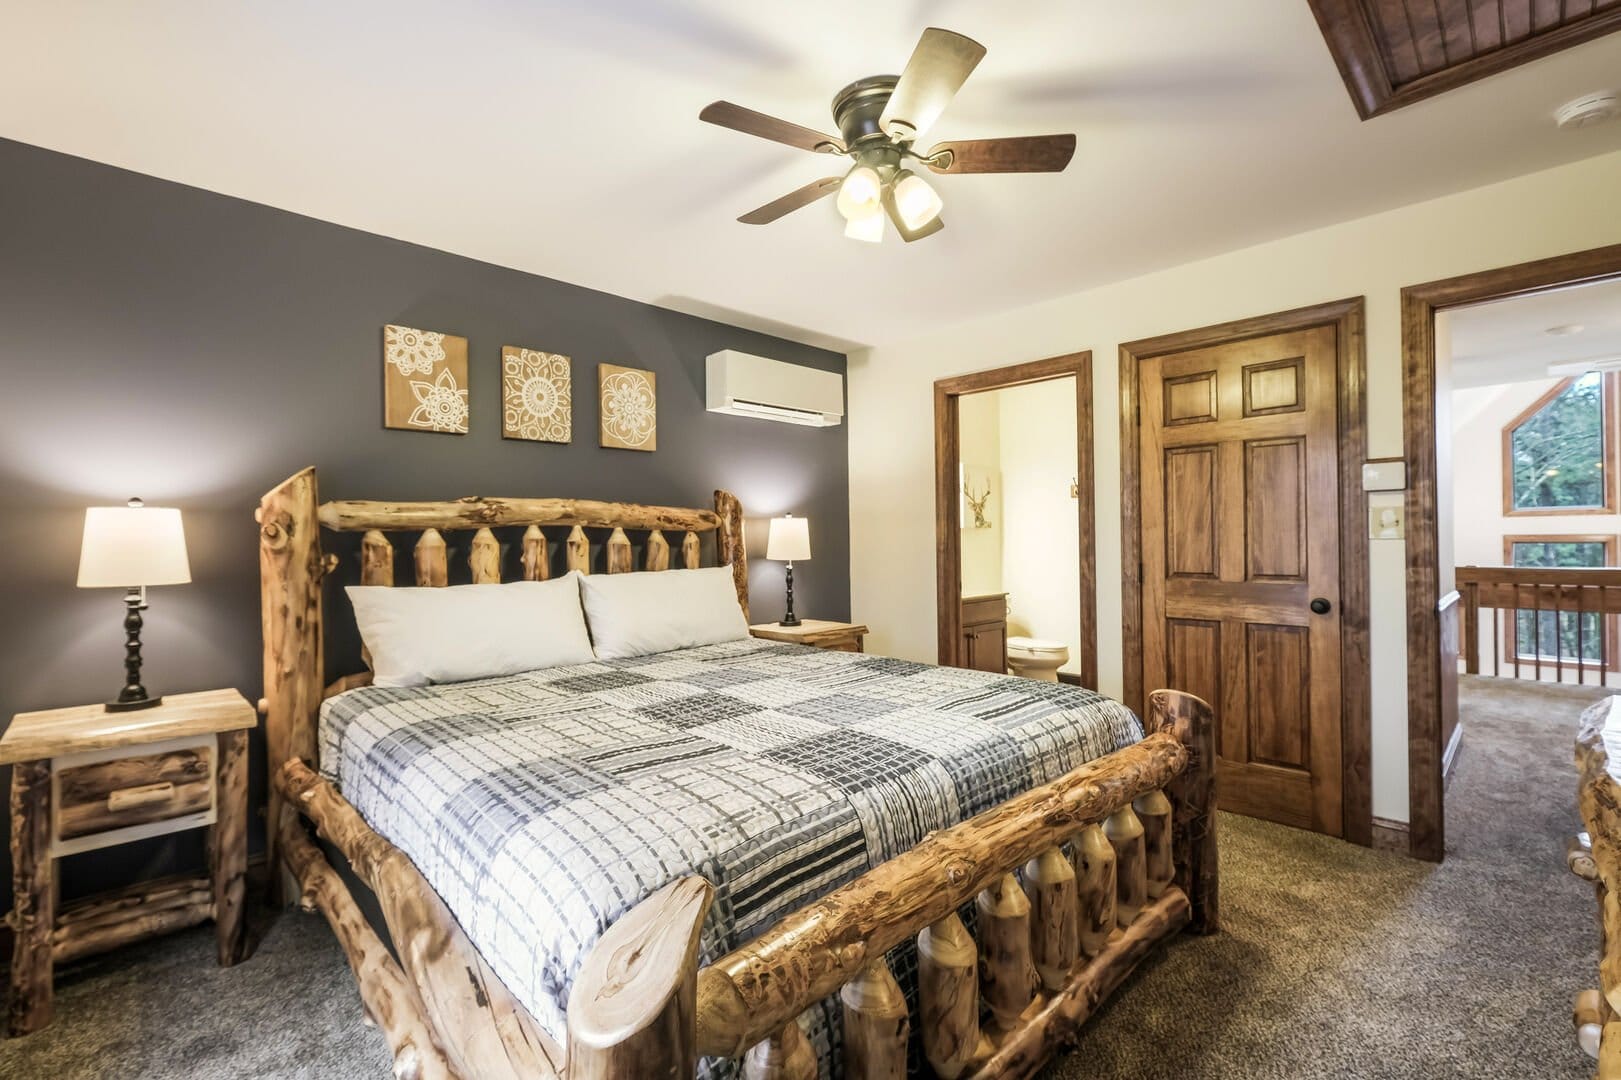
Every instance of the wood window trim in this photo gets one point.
(1610, 404)
(1348, 318)
(1374, 88)
(1612, 651)
(947, 531)
(1425, 714)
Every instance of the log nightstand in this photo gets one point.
(819, 633)
(84, 778)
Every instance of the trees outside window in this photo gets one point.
(1559, 455)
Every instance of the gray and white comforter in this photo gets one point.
(543, 806)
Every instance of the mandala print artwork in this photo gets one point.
(536, 395)
(424, 380)
(629, 407)
(412, 352)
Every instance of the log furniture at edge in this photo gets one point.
(642, 1005)
(85, 779)
(1596, 857)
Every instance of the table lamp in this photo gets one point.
(131, 547)
(789, 539)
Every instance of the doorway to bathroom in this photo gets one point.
(1016, 571)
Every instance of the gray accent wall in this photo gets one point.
(194, 349)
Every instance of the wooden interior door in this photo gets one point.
(1241, 562)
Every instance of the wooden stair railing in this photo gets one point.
(1560, 590)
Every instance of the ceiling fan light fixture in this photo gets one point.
(861, 194)
(916, 201)
(868, 227)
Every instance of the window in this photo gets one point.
(1561, 635)
(1559, 456)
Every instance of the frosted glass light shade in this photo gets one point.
(861, 193)
(127, 546)
(915, 201)
(789, 539)
(869, 228)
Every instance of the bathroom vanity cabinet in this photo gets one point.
(984, 631)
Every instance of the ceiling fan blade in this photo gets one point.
(749, 122)
(792, 201)
(1022, 153)
(939, 66)
(909, 235)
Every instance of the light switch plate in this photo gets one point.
(1386, 523)
(1385, 474)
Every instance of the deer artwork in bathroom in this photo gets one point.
(977, 503)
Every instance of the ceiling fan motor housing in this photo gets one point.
(857, 107)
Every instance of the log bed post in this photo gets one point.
(290, 571)
(729, 544)
(632, 1009)
(1193, 803)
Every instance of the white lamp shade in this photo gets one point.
(128, 546)
(789, 539)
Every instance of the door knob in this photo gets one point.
(1319, 606)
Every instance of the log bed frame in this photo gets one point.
(1115, 857)
(1595, 856)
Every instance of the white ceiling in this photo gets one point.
(1508, 341)
(563, 139)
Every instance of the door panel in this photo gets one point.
(1240, 519)
(1279, 672)
(1274, 506)
(1190, 512)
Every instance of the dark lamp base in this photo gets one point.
(134, 706)
(789, 621)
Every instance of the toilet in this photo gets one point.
(1034, 658)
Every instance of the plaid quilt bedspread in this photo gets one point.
(543, 806)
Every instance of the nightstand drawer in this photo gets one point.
(106, 797)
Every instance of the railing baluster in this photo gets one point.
(1558, 634)
(1536, 631)
(1497, 645)
(1471, 628)
(1603, 636)
(1581, 647)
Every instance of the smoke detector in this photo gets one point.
(1588, 110)
(1566, 330)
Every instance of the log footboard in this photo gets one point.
(1115, 857)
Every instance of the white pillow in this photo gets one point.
(659, 610)
(425, 635)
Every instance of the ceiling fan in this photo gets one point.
(879, 119)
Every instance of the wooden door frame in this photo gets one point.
(1356, 723)
(1425, 709)
(947, 531)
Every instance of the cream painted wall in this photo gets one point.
(1477, 439)
(979, 429)
(891, 404)
(1041, 546)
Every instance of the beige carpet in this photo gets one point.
(1336, 961)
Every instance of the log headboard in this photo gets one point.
(292, 567)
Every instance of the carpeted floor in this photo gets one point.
(1336, 961)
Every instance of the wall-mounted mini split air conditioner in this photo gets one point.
(744, 385)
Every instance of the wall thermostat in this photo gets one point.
(1384, 474)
